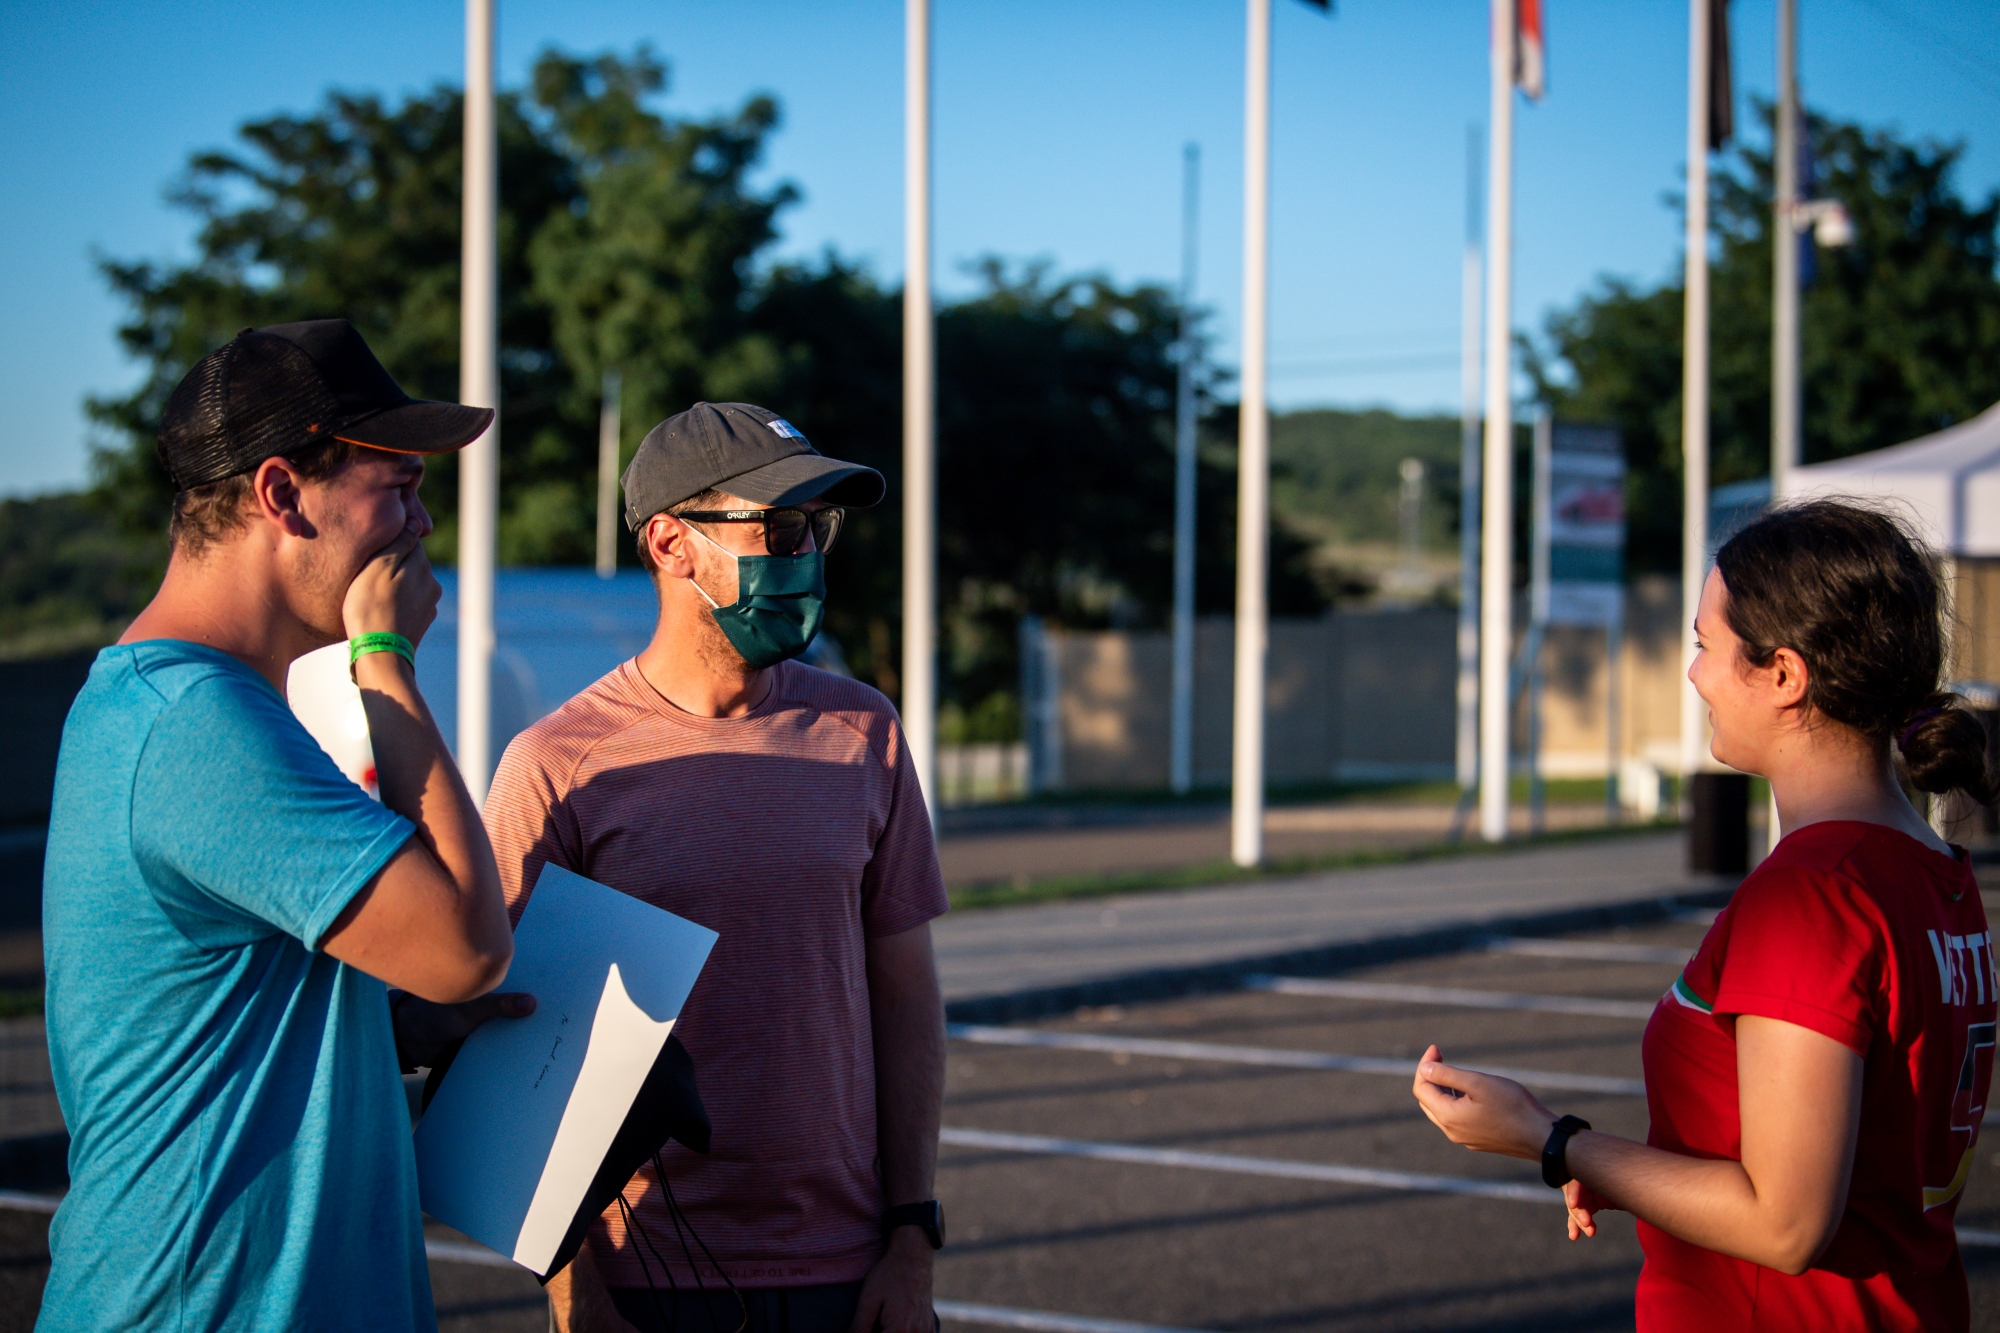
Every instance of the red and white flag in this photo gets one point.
(1530, 56)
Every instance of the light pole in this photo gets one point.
(1468, 476)
(1694, 391)
(1253, 465)
(919, 410)
(1181, 724)
(478, 386)
(608, 429)
(1785, 258)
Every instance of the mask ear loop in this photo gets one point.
(713, 604)
(674, 1212)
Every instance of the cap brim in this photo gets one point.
(418, 427)
(803, 477)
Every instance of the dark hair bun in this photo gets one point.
(1944, 749)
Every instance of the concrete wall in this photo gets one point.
(1354, 696)
(1976, 592)
(1574, 664)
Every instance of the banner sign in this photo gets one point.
(1586, 526)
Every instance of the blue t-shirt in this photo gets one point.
(239, 1140)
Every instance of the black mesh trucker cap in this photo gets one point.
(747, 451)
(277, 388)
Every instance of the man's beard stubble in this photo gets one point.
(322, 589)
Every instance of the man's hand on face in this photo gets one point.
(896, 1298)
(424, 1030)
(395, 592)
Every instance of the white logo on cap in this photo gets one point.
(785, 428)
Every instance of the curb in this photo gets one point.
(1211, 978)
(40, 1161)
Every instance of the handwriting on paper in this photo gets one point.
(554, 1046)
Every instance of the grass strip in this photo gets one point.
(1220, 874)
(20, 1003)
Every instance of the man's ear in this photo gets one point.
(667, 538)
(276, 496)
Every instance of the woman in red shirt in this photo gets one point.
(1817, 1075)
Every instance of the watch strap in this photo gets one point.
(928, 1215)
(1555, 1153)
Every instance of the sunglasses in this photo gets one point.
(784, 529)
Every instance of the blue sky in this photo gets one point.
(1059, 126)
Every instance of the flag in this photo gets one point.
(1530, 57)
(1721, 95)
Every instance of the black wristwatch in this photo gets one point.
(1555, 1153)
(929, 1215)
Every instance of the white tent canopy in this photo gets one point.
(1950, 482)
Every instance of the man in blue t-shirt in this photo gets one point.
(222, 908)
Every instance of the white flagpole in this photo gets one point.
(1496, 602)
(478, 386)
(1468, 476)
(919, 409)
(1253, 472)
(1785, 260)
(1694, 393)
(1181, 725)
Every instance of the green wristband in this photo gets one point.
(361, 645)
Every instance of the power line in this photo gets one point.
(1979, 71)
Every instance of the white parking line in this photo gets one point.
(1446, 995)
(1596, 951)
(1263, 1055)
(29, 1203)
(1290, 1170)
(1040, 1321)
(1250, 1166)
(453, 1253)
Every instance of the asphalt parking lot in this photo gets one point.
(1159, 1165)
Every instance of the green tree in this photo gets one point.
(630, 241)
(1900, 331)
(354, 211)
(651, 272)
(68, 578)
(1055, 463)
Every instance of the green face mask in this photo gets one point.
(780, 600)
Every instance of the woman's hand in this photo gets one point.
(1584, 1205)
(1480, 1111)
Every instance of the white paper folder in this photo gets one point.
(522, 1121)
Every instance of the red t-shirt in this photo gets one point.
(1861, 933)
(799, 833)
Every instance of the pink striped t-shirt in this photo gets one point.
(796, 832)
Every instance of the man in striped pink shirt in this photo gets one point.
(715, 776)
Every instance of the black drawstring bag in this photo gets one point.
(668, 1107)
